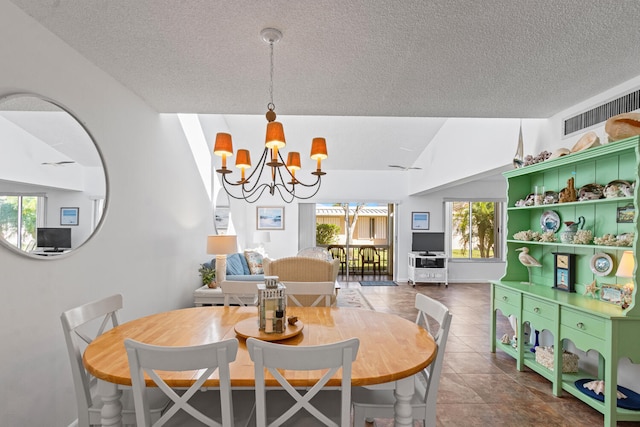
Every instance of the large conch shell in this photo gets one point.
(623, 126)
(588, 140)
(598, 388)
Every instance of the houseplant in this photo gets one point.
(208, 275)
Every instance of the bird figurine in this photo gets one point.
(528, 261)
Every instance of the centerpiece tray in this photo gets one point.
(248, 328)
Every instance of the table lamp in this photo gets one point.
(221, 245)
(261, 237)
(626, 267)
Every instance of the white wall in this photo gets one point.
(148, 248)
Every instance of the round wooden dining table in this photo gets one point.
(392, 349)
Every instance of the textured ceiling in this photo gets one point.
(438, 58)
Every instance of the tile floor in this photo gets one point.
(480, 388)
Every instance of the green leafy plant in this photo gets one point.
(326, 234)
(207, 273)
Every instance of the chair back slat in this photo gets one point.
(148, 359)
(274, 357)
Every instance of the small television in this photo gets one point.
(53, 239)
(428, 242)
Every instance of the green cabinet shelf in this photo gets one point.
(589, 323)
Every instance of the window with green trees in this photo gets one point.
(19, 220)
(475, 229)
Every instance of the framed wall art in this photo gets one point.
(626, 214)
(270, 218)
(221, 219)
(564, 271)
(69, 216)
(419, 220)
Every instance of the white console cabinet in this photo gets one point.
(430, 268)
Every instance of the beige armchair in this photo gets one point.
(301, 272)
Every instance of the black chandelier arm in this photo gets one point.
(248, 196)
(293, 178)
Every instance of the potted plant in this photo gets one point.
(208, 275)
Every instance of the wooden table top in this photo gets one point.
(391, 348)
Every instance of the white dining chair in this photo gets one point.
(76, 324)
(215, 407)
(276, 406)
(378, 402)
(323, 291)
(236, 292)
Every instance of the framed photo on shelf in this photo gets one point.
(69, 216)
(270, 218)
(419, 220)
(564, 271)
(626, 214)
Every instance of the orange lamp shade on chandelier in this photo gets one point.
(281, 179)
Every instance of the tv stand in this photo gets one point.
(432, 267)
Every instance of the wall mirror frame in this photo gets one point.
(53, 179)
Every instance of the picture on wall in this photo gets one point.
(270, 218)
(419, 220)
(221, 219)
(626, 214)
(69, 216)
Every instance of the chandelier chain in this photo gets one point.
(271, 104)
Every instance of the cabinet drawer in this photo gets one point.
(537, 306)
(583, 322)
(507, 296)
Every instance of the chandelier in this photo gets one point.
(280, 176)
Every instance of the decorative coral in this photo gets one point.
(583, 237)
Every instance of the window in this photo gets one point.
(475, 229)
(19, 218)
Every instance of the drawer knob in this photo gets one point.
(536, 310)
(504, 298)
(580, 325)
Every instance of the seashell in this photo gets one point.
(559, 153)
(588, 140)
(597, 386)
(591, 192)
(292, 320)
(623, 126)
(618, 188)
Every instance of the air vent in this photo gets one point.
(624, 104)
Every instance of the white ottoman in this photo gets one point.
(214, 296)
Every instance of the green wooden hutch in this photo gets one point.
(588, 322)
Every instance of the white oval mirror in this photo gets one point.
(53, 183)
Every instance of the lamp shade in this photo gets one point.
(626, 265)
(275, 135)
(319, 149)
(261, 237)
(222, 244)
(243, 159)
(293, 161)
(223, 145)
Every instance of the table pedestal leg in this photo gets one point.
(402, 409)
(111, 413)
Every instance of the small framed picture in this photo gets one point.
(626, 214)
(564, 271)
(419, 220)
(221, 218)
(69, 216)
(270, 218)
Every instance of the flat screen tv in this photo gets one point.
(54, 239)
(428, 242)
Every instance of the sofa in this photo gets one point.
(242, 266)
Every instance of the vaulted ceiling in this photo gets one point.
(365, 73)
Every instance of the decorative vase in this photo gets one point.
(571, 228)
